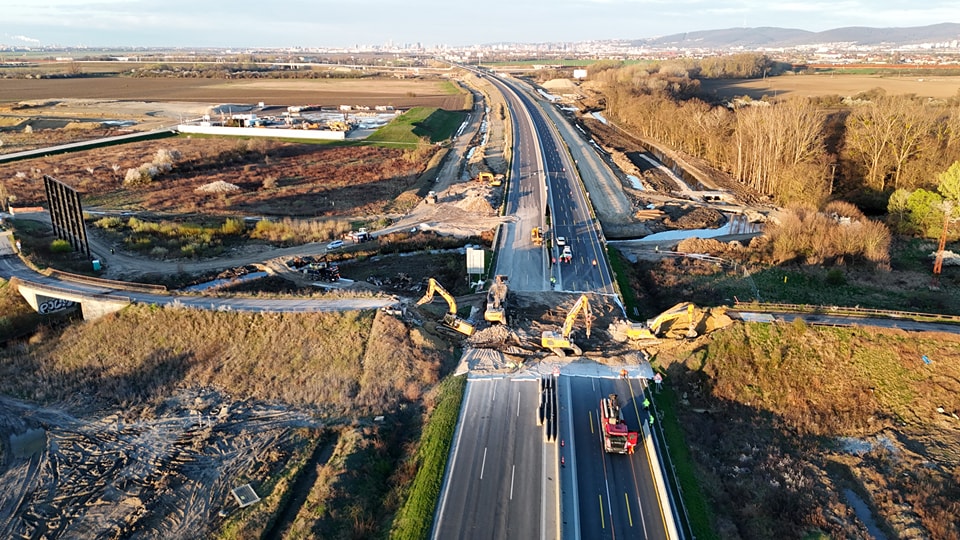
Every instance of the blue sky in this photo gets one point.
(323, 23)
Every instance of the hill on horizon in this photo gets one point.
(775, 37)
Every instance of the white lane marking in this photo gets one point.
(513, 470)
(483, 465)
(518, 403)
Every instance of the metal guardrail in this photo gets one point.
(123, 285)
(855, 311)
(69, 292)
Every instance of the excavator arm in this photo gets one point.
(583, 304)
(432, 288)
(450, 319)
(558, 341)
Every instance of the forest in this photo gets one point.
(868, 149)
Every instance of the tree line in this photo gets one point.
(795, 150)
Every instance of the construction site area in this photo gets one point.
(110, 438)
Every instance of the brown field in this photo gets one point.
(938, 87)
(276, 178)
(323, 92)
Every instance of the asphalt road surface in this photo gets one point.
(12, 266)
(502, 479)
(518, 257)
(615, 494)
(569, 211)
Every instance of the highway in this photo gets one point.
(517, 256)
(568, 209)
(498, 484)
(501, 479)
(616, 494)
(498, 450)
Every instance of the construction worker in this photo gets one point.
(623, 373)
(646, 404)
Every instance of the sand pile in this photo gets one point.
(217, 187)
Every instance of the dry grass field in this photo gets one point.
(933, 86)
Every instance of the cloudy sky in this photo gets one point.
(322, 23)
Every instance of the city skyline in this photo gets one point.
(302, 23)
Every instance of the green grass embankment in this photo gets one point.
(415, 518)
(430, 123)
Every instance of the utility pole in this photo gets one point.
(938, 260)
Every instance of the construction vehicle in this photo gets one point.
(360, 236)
(323, 270)
(558, 342)
(450, 319)
(652, 330)
(490, 178)
(536, 235)
(617, 437)
(496, 301)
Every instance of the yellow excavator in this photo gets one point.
(558, 342)
(496, 301)
(450, 319)
(652, 329)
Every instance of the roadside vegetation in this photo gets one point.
(419, 123)
(345, 367)
(802, 398)
(859, 148)
(17, 318)
(415, 519)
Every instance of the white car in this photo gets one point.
(335, 244)
(561, 241)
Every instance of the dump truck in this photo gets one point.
(617, 437)
(496, 301)
(360, 236)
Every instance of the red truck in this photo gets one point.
(617, 437)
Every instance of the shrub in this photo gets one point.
(836, 234)
(232, 226)
(835, 277)
(60, 246)
(108, 223)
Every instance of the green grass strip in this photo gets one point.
(415, 518)
(698, 510)
(621, 275)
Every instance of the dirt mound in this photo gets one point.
(698, 218)
(218, 187)
(475, 203)
(563, 85)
